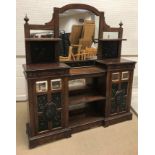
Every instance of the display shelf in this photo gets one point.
(85, 98)
(119, 39)
(42, 39)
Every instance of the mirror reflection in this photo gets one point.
(79, 31)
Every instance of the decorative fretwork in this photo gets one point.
(119, 96)
(124, 87)
(56, 121)
(113, 106)
(114, 89)
(41, 102)
(51, 114)
(56, 98)
(123, 104)
(119, 99)
(42, 123)
(110, 49)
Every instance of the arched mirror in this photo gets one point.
(79, 31)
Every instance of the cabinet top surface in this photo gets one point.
(116, 61)
(49, 66)
(86, 71)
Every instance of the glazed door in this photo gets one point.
(119, 92)
(49, 103)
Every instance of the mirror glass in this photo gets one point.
(79, 31)
(41, 33)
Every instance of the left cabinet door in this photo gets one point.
(119, 92)
(48, 104)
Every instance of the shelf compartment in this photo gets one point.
(85, 98)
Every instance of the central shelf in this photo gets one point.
(85, 98)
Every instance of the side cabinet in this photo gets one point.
(47, 104)
(118, 89)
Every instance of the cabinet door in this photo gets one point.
(48, 105)
(119, 92)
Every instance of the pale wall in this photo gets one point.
(40, 12)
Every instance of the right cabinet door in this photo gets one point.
(119, 92)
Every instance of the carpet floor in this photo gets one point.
(119, 139)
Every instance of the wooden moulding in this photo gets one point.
(73, 128)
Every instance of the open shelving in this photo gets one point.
(86, 102)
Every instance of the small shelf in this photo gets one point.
(85, 98)
(42, 39)
(119, 39)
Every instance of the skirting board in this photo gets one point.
(21, 98)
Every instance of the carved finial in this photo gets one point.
(26, 19)
(120, 24)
